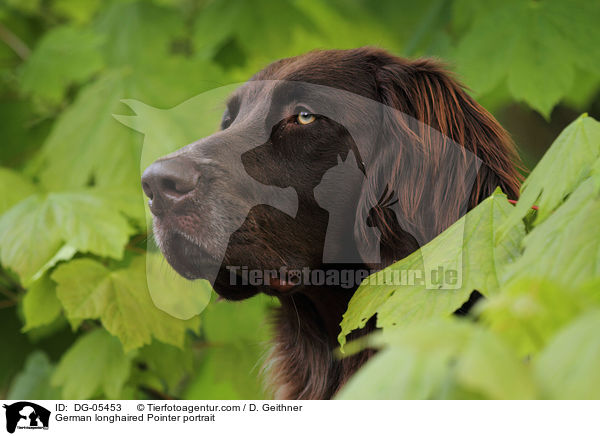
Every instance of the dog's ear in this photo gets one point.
(437, 155)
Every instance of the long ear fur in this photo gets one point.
(438, 154)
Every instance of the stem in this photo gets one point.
(14, 42)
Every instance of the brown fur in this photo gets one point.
(302, 364)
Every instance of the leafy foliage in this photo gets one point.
(75, 277)
(543, 301)
(541, 47)
(567, 368)
(21, 186)
(119, 298)
(164, 365)
(442, 359)
(529, 311)
(80, 47)
(95, 364)
(573, 155)
(470, 247)
(40, 304)
(37, 232)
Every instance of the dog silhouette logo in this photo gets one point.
(340, 246)
(26, 415)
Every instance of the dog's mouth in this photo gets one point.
(281, 285)
(193, 260)
(189, 259)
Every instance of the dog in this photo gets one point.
(396, 146)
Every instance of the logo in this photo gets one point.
(26, 415)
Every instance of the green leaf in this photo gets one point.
(22, 130)
(568, 367)
(137, 38)
(107, 153)
(541, 44)
(94, 365)
(572, 155)
(538, 74)
(333, 24)
(129, 201)
(584, 90)
(470, 248)
(488, 368)
(88, 223)
(64, 56)
(168, 363)
(34, 233)
(565, 247)
(138, 31)
(222, 20)
(577, 24)
(441, 359)
(40, 304)
(120, 299)
(14, 187)
(33, 383)
(28, 237)
(529, 311)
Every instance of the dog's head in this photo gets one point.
(327, 154)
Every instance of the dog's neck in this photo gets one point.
(330, 304)
(304, 365)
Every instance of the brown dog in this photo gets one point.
(395, 146)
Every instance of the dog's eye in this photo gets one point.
(305, 117)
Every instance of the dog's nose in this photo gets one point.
(168, 181)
